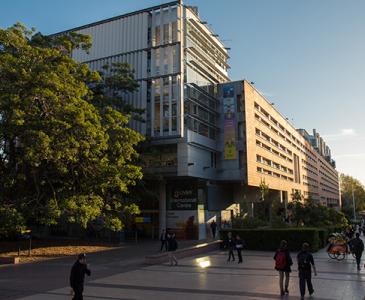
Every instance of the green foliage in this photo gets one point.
(349, 184)
(247, 222)
(315, 215)
(268, 239)
(11, 222)
(65, 150)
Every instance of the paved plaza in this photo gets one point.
(211, 277)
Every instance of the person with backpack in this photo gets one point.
(305, 264)
(357, 247)
(240, 244)
(172, 247)
(283, 262)
(230, 244)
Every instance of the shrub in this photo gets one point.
(11, 222)
(268, 239)
(242, 223)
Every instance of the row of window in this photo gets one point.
(274, 174)
(308, 164)
(309, 170)
(268, 148)
(310, 185)
(199, 38)
(329, 171)
(168, 54)
(273, 142)
(310, 179)
(289, 137)
(165, 104)
(273, 164)
(165, 34)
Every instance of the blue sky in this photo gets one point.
(308, 57)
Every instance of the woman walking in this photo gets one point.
(283, 262)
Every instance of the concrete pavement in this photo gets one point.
(211, 277)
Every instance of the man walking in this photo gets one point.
(230, 244)
(172, 247)
(213, 227)
(163, 239)
(357, 247)
(305, 264)
(239, 247)
(77, 276)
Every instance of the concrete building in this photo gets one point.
(212, 141)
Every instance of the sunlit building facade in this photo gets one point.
(212, 142)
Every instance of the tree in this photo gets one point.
(61, 155)
(349, 185)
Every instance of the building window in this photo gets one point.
(157, 60)
(157, 35)
(166, 58)
(157, 118)
(174, 58)
(174, 31)
(239, 103)
(166, 36)
(240, 131)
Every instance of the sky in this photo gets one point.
(308, 57)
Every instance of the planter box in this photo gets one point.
(9, 260)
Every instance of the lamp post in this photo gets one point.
(353, 202)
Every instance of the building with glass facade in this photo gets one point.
(212, 141)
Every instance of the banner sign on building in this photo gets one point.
(183, 197)
(183, 223)
(229, 122)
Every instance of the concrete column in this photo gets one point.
(162, 206)
(284, 200)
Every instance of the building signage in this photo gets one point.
(229, 122)
(183, 198)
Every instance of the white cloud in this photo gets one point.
(345, 132)
(348, 131)
(350, 155)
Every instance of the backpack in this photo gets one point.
(357, 246)
(303, 262)
(280, 260)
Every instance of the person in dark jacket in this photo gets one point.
(240, 244)
(213, 227)
(172, 247)
(305, 264)
(77, 276)
(283, 262)
(357, 247)
(163, 239)
(230, 245)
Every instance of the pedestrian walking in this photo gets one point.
(163, 239)
(357, 247)
(213, 228)
(77, 276)
(283, 263)
(230, 245)
(305, 264)
(172, 247)
(240, 244)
